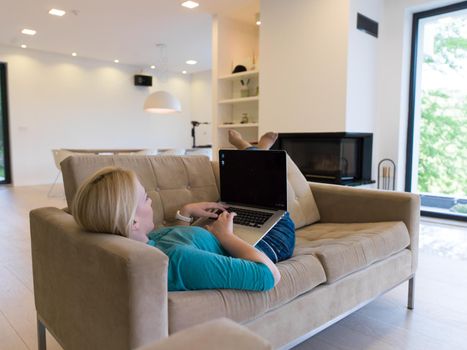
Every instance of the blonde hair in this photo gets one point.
(107, 201)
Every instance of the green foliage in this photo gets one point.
(459, 208)
(443, 124)
(450, 45)
(443, 144)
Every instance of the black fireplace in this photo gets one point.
(334, 157)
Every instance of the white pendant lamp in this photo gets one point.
(162, 102)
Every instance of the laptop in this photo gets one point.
(253, 183)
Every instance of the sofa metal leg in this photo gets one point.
(410, 300)
(41, 342)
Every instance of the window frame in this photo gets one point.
(5, 119)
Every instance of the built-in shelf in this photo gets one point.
(242, 75)
(236, 44)
(239, 100)
(238, 125)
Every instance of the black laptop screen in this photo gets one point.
(257, 178)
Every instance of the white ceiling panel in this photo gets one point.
(121, 29)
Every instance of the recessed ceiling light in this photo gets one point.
(153, 67)
(28, 31)
(184, 72)
(24, 46)
(57, 12)
(190, 4)
(74, 54)
(258, 19)
(116, 61)
(191, 62)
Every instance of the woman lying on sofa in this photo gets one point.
(114, 201)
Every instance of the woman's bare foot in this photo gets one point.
(267, 140)
(236, 139)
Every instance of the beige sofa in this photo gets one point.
(100, 291)
(216, 334)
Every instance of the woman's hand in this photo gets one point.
(222, 228)
(203, 209)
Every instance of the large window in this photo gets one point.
(5, 177)
(437, 138)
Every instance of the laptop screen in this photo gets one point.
(255, 178)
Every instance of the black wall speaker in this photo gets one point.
(143, 80)
(367, 25)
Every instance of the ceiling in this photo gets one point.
(121, 29)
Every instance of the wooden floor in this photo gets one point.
(439, 320)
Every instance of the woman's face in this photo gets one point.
(143, 216)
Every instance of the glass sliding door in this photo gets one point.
(437, 137)
(5, 177)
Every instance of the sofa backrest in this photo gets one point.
(170, 181)
(300, 200)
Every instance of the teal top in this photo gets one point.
(198, 261)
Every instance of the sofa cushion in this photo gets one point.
(345, 248)
(300, 201)
(298, 275)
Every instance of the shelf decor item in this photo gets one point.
(387, 174)
(244, 89)
(239, 68)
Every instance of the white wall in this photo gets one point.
(58, 101)
(362, 60)
(303, 46)
(201, 106)
(318, 74)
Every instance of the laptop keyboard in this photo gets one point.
(251, 218)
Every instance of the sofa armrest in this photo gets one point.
(96, 291)
(216, 334)
(344, 204)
